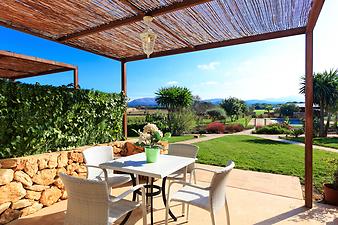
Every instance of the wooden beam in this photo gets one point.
(76, 78)
(59, 70)
(316, 8)
(133, 19)
(124, 91)
(244, 40)
(35, 59)
(308, 119)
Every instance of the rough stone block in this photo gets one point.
(12, 192)
(6, 176)
(50, 196)
(23, 178)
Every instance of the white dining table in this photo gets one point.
(137, 165)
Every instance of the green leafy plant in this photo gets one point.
(36, 119)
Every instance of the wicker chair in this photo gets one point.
(89, 202)
(211, 198)
(184, 150)
(94, 156)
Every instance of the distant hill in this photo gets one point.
(150, 102)
(147, 102)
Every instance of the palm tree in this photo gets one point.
(174, 98)
(325, 94)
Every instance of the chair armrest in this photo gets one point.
(126, 193)
(185, 184)
(97, 167)
(203, 169)
(188, 184)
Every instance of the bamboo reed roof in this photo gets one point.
(112, 27)
(16, 66)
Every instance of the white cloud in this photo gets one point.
(209, 83)
(172, 82)
(208, 66)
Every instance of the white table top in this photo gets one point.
(136, 164)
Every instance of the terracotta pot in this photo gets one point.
(330, 194)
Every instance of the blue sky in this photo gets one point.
(261, 70)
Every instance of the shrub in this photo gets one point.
(232, 128)
(297, 132)
(159, 119)
(181, 121)
(215, 127)
(273, 129)
(36, 119)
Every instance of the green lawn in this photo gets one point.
(257, 154)
(259, 111)
(174, 139)
(331, 142)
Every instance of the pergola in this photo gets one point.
(16, 66)
(111, 28)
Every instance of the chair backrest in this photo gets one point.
(184, 150)
(87, 201)
(217, 186)
(95, 156)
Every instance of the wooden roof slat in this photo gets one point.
(133, 19)
(112, 28)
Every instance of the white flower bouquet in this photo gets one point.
(151, 135)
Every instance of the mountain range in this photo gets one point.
(150, 102)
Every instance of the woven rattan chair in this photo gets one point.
(94, 156)
(184, 150)
(211, 198)
(89, 202)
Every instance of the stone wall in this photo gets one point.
(28, 184)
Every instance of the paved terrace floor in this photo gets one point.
(254, 199)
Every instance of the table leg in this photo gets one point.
(134, 198)
(184, 180)
(151, 201)
(164, 198)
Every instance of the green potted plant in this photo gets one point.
(331, 190)
(150, 138)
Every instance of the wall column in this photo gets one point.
(308, 118)
(124, 91)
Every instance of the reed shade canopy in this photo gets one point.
(15, 66)
(112, 28)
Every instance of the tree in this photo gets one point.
(216, 114)
(201, 107)
(268, 107)
(233, 107)
(325, 94)
(174, 98)
(177, 101)
(288, 109)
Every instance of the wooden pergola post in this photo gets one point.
(308, 118)
(76, 78)
(124, 91)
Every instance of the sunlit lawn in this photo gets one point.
(331, 142)
(174, 139)
(257, 154)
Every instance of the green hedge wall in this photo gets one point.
(36, 119)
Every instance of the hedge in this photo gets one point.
(36, 119)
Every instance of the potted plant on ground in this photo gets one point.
(331, 190)
(150, 138)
